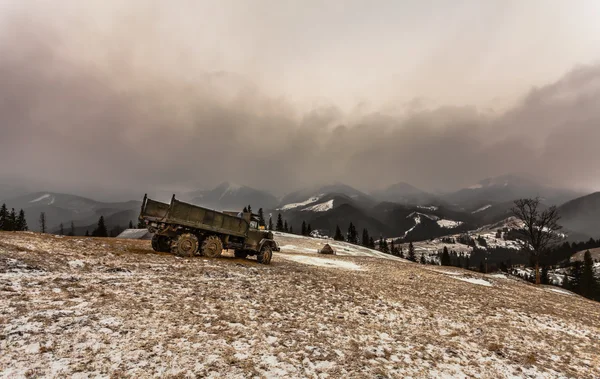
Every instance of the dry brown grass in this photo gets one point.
(87, 301)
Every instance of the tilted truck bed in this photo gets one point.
(193, 216)
(207, 219)
(153, 210)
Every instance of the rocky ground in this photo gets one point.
(90, 307)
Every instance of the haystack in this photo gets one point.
(326, 250)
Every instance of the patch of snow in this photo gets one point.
(42, 198)
(418, 214)
(311, 200)
(499, 276)
(322, 207)
(482, 208)
(448, 272)
(417, 220)
(450, 224)
(428, 207)
(323, 262)
(475, 186)
(76, 263)
(231, 188)
(560, 291)
(481, 282)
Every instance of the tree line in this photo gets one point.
(11, 220)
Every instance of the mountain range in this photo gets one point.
(401, 210)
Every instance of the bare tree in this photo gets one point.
(540, 231)
(43, 222)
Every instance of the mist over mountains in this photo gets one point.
(401, 211)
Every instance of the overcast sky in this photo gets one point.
(129, 96)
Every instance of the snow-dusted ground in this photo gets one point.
(76, 307)
(293, 243)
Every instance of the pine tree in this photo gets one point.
(72, 231)
(100, 230)
(261, 217)
(303, 229)
(279, 225)
(352, 234)
(365, 238)
(130, 224)
(308, 230)
(12, 220)
(21, 221)
(423, 260)
(401, 252)
(544, 276)
(61, 229)
(338, 234)
(371, 243)
(411, 253)
(270, 223)
(285, 226)
(588, 284)
(467, 262)
(577, 272)
(87, 233)
(249, 208)
(245, 210)
(392, 248)
(141, 224)
(291, 229)
(43, 222)
(445, 260)
(481, 267)
(3, 217)
(566, 283)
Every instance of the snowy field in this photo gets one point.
(89, 307)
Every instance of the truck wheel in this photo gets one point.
(240, 254)
(164, 244)
(265, 255)
(212, 247)
(161, 243)
(155, 243)
(186, 245)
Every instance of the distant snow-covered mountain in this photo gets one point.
(65, 208)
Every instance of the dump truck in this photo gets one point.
(186, 230)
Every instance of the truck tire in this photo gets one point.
(212, 247)
(155, 243)
(240, 254)
(185, 245)
(161, 243)
(265, 255)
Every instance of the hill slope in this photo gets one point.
(64, 208)
(108, 307)
(582, 215)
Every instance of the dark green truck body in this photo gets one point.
(188, 229)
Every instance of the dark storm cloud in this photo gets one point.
(72, 124)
